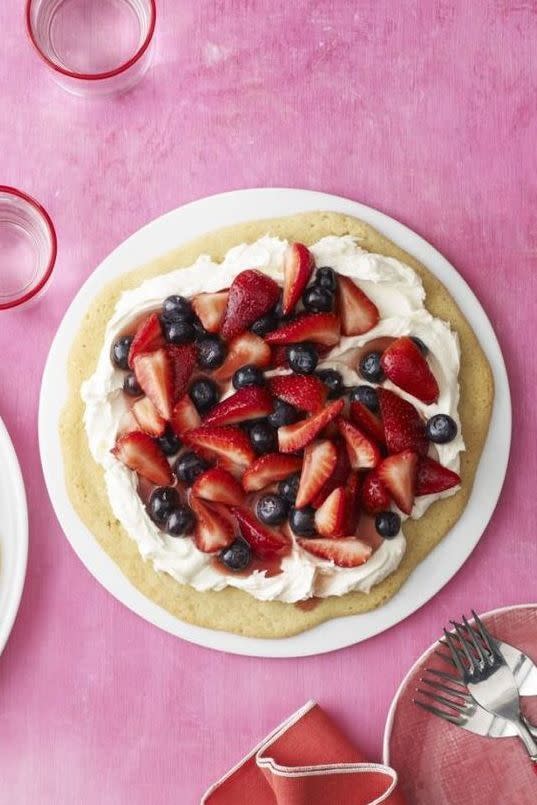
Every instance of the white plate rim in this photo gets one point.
(232, 208)
(13, 551)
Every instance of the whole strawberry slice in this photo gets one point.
(321, 328)
(148, 418)
(367, 421)
(244, 349)
(251, 295)
(269, 469)
(185, 416)
(432, 477)
(339, 476)
(218, 485)
(148, 337)
(183, 359)
(330, 518)
(154, 373)
(264, 542)
(127, 424)
(358, 313)
(222, 442)
(375, 496)
(295, 437)
(139, 452)
(210, 309)
(212, 532)
(319, 462)
(404, 428)
(363, 451)
(297, 269)
(353, 501)
(405, 366)
(305, 392)
(345, 552)
(250, 402)
(398, 474)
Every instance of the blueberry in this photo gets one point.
(204, 393)
(272, 509)
(423, 348)
(278, 311)
(367, 395)
(334, 381)
(131, 386)
(303, 358)
(169, 443)
(388, 524)
(120, 352)
(326, 278)
(175, 308)
(284, 414)
(248, 375)
(302, 521)
(441, 428)
(263, 437)
(370, 367)
(317, 299)
(266, 324)
(163, 500)
(288, 488)
(211, 352)
(188, 466)
(236, 556)
(179, 331)
(200, 331)
(180, 521)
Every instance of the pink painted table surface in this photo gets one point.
(425, 110)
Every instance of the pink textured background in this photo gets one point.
(426, 110)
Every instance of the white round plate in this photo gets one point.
(167, 233)
(13, 535)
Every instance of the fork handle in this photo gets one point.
(526, 737)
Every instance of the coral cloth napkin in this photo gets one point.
(306, 761)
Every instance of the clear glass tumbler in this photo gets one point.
(94, 47)
(27, 248)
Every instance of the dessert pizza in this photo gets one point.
(279, 429)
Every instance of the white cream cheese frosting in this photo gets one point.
(397, 292)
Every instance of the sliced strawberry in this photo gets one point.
(432, 477)
(244, 349)
(269, 469)
(297, 270)
(223, 442)
(319, 461)
(212, 532)
(210, 309)
(404, 428)
(375, 496)
(279, 357)
(185, 416)
(183, 360)
(346, 552)
(339, 476)
(352, 492)
(404, 365)
(363, 451)
(251, 295)
(330, 519)
(218, 485)
(127, 424)
(148, 418)
(367, 421)
(250, 402)
(265, 542)
(358, 313)
(148, 338)
(305, 392)
(295, 437)
(398, 474)
(154, 373)
(321, 328)
(139, 452)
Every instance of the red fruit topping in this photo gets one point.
(405, 366)
(319, 462)
(127, 424)
(352, 491)
(185, 416)
(148, 418)
(297, 270)
(154, 373)
(148, 338)
(305, 392)
(346, 552)
(244, 349)
(265, 542)
(375, 496)
(404, 428)
(321, 328)
(432, 477)
(223, 442)
(250, 402)
(358, 313)
(295, 437)
(139, 452)
(339, 476)
(269, 469)
(251, 295)
(330, 519)
(183, 360)
(218, 485)
(210, 309)
(279, 357)
(212, 532)
(367, 421)
(363, 452)
(398, 474)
